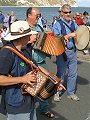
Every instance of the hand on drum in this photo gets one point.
(61, 87)
(29, 78)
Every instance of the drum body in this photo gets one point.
(82, 39)
(49, 44)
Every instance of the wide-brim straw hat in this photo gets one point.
(19, 29)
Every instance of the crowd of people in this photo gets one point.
(14, 71)
(5, 21)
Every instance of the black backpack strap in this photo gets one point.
(71, 29)
(67, 25)
(63, 30)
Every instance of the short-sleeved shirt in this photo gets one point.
(57, 30)
(38, 56)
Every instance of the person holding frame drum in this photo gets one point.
(68, 59)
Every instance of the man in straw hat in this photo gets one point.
(17, 105)
(14, 72)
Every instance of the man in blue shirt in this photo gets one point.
(69, 58)
(1, 18)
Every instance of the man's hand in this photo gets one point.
(61, 87)
(29, 78)
(69, 35)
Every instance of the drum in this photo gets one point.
(82, 39)
(49, 44)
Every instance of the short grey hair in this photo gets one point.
(66, 6)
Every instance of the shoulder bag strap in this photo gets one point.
(71, 31)
(21, 56)
(67, 26)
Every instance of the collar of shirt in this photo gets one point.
(69, 21)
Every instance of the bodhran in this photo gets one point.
(82, 37)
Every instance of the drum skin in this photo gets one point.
(82, 39)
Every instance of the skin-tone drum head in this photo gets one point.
(82, 37)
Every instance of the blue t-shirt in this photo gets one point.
(1, 18)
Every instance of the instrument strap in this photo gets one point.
(22, 57)
(70, 30)
(26, 60)
(67, 26)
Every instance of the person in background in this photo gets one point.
(54, 20)
(67, 60)
(12, 18)
(5, 31)
(78, 18)
(14, 72)
(1, 33)
(1, 18)
(86, 21)
(81, 15)
(60, 14)
(33, 15)
(40, 21)
(6, 20)
(1, 45)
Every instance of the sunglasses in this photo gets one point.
(67, 12)
(38, 16)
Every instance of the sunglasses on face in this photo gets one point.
(38, 16)
(67, 12)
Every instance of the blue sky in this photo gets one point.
(83, 3)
